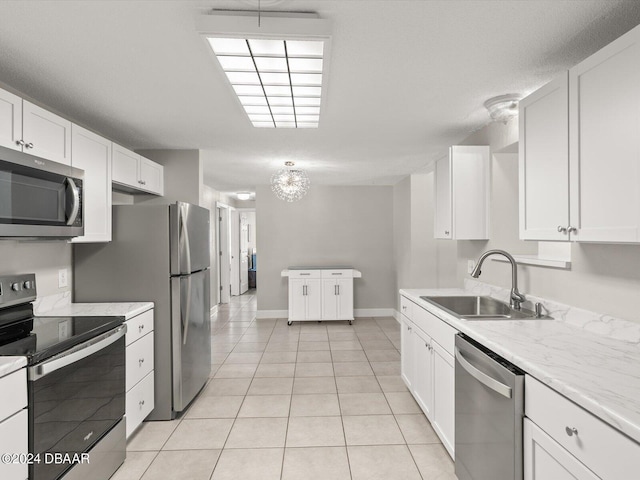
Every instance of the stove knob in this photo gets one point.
(16, 287)
(28, 285)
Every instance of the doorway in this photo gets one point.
(224, 263)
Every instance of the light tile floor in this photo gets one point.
(310, 401)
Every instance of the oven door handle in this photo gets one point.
(76, 353)
(482, 377)
(75, 197)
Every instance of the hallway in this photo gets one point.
(310, 401)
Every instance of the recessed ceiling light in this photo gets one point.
(244, 195)
(278, 62)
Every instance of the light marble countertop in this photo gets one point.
(127, 310)
(597, 372)
(11, 364)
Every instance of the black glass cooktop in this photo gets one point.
(39, 338)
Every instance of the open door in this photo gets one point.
(244, 253)
(224, 254)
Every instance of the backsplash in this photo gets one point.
(42, 305)
(592, 322)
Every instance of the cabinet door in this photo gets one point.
(151, 176)
(423, 372)
(92, 154)
(444, 397)
(604, 120)
(314, 298)
(10, 120)
(329, 299)
(469, 172)
(407, 352)
(544, 162)
(139, 403)
(124, 165)
(297, 299)
(13, 440)
(45, 134)
(345, 298)
(545, 459)
(443, 199)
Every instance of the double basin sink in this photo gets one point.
(481, 308)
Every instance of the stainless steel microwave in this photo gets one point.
(39, 198)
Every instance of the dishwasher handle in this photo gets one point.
(482, 377)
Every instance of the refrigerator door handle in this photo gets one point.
(185, 319)
(184, 239)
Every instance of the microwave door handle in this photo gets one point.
(76, 201)
(77, 353)
(482, 377)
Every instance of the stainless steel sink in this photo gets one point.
(480, 308)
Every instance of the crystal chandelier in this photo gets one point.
(289, 184)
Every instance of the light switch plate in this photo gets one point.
(63, 279)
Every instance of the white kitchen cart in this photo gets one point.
(320, 293)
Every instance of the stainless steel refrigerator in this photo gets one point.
(159, 253)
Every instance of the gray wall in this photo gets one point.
(349, 225)
(42, 258)
(603, 278)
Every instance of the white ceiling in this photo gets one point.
(406, 78)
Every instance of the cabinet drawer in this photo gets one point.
(406, 307)
(437, 329)
(606, 451)
(139, 326)
(139, 360)
(139, 403)
(341, 273)
(14, 396)
(305, 273)
(13, 440)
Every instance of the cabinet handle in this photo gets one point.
(140, 362)
(446, 232)
(562, 229)
(141, 403)
(140, 328)
(335, 289)
(143, 182)
(573, 230)
(304, 290)
(571, 431)
(338, 289)
(20, 143)
(29, 145)
(404, 307)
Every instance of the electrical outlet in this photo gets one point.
(63, 279)
(470, 265)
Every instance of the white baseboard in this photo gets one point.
(272, 314)
(373, 312)
(396, 315)
(358, 312)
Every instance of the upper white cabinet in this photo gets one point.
(604, 153)
(29, 128)
(580, 151)
(462, 194)
(92, 154)
(134, 172)
(544, 162)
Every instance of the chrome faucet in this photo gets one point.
(516, 297)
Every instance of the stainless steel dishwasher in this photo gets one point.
(489, 408)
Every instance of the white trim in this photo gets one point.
(373, 312)
(272, 314)
(214, 310)
(396, 315)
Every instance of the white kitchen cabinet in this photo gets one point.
(133, 173)
(407, 349)
(462, 194)
(581, 437)
(545, 459)
(444, 396)
(139, 353)
(10, 120)
(14, 424)
(321, 294)
(29, 128)
(423, 379)
(544, 162)
(604, 153)
(92, 154)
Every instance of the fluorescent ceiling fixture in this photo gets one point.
(282, 77)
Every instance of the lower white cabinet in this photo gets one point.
(321, 294)
(545, 459)
(14, 424)
(139, 370)
(562, 438)
(427, 367)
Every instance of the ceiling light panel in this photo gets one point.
(278, 82)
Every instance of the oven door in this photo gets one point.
(75, 398)
(39, 198)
